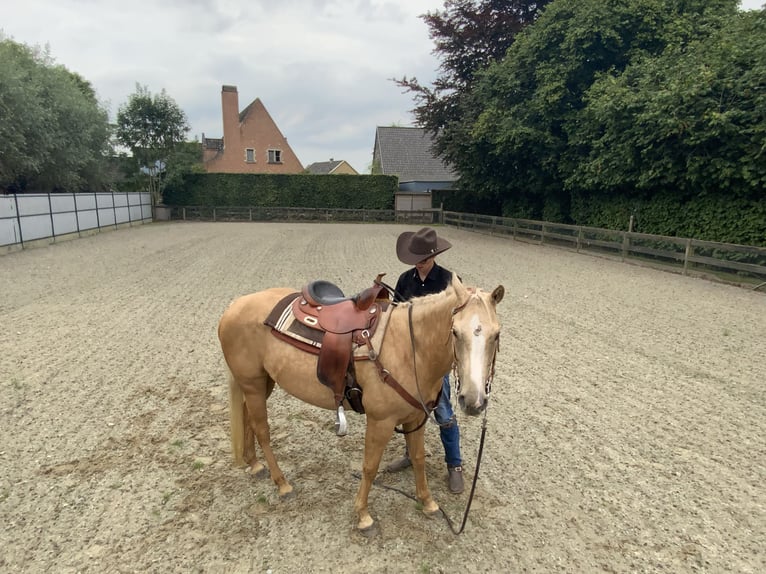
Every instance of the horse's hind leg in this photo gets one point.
(256, 467)
(256, 393)
(249, 454)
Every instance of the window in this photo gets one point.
(250, 155)
(275, 156)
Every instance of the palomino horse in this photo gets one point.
(458, 325)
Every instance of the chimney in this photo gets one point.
(230, 109)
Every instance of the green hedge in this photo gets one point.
(708, 217)
(284, 190)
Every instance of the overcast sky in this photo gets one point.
(322, 68)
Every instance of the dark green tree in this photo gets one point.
(152, 127)
(469, 35)
(692, 119)
(520, 150)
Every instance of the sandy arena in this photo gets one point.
(625, 432)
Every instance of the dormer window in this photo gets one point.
(275, 156)
(249, 155)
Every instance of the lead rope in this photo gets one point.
(473, 483)
(478, 457)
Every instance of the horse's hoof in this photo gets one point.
(287, 496)
(258, 470)
(370, 531)
(432, 511)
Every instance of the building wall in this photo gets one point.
(256, 131)
(412, 201)
(345, 168)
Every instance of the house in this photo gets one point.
(332, 167)
(407, 152)
(251, 142)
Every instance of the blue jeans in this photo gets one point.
(448, 429)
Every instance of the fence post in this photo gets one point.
(76, 214)
(98, 218)
(18, 219)
(114, 210)
(625, 244)
(53, 224)
(542, 233)
(687, 254)
(579, 239)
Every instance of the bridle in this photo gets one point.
(487, 389)
(455, 374)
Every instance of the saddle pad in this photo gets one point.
(282, 320)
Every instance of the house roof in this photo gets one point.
(407, 152)
(324, 167)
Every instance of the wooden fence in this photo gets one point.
(741, 264)
(255, 213)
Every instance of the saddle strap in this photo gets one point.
(334, 360)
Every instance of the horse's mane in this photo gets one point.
(455, 286)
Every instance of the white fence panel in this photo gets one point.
(64, 223)
(122, 214)
(33, 204)
(9, 225)
(36, 226)
(61, 203)
(87, 219)
(29, 217)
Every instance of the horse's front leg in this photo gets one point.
(417, 449)
(376, 437)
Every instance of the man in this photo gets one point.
(420, 249)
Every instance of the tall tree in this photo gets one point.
(54, 134)
(469, 35)
(518, 148)
(151, 126)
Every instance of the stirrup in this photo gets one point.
(341, 427)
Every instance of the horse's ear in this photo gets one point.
(498, 293)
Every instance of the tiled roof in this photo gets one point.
(407, 153)
(323, 167)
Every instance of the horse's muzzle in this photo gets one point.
(472, 410)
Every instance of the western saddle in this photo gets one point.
(343, 321)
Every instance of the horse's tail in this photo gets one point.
(237, 420)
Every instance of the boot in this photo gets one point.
(455, 479)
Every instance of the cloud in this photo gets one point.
(321, 67)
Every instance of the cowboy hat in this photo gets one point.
(412, 247)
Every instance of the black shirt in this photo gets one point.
(409, 284)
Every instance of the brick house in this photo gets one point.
(251, 142)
